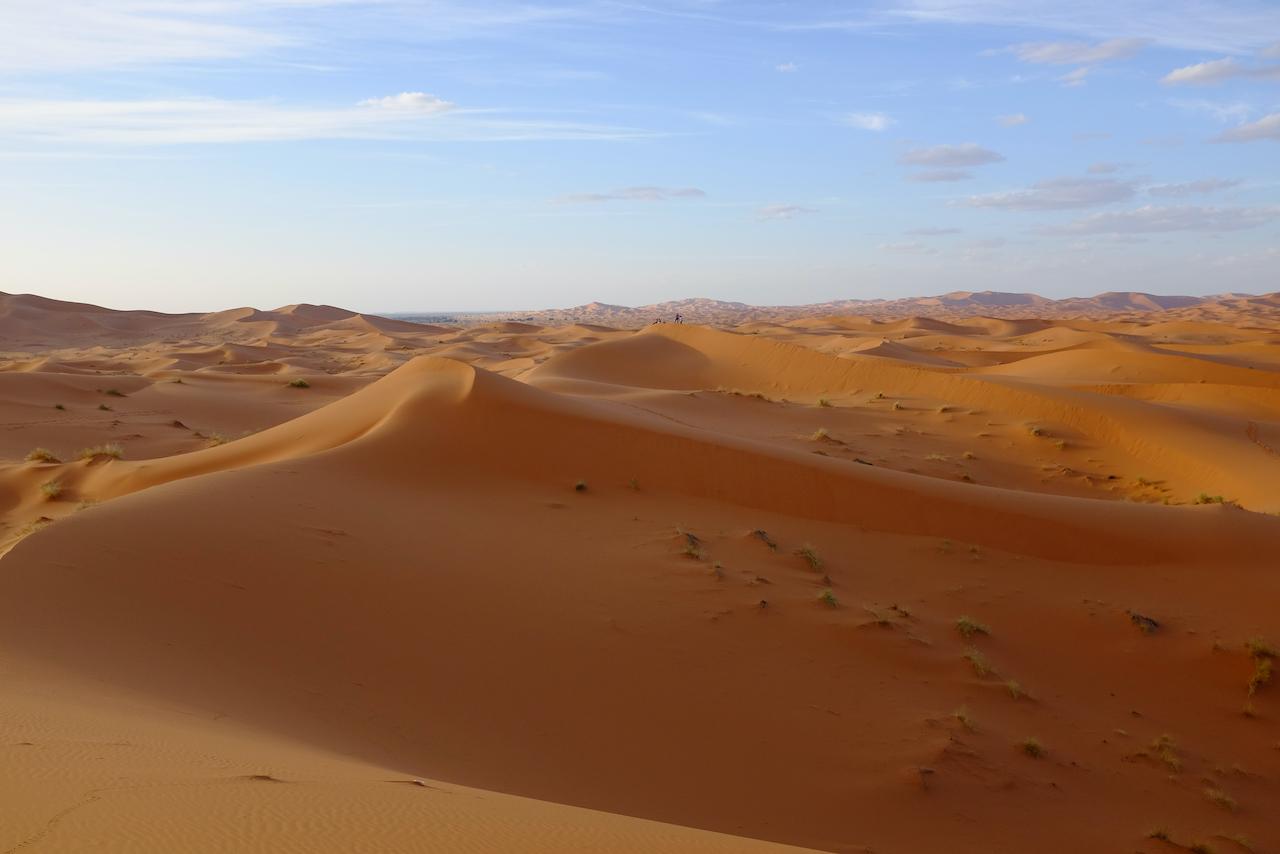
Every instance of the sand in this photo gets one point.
(958, 583)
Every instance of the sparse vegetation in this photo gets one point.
(580, 486)
(51, 490)
(1145, 624)
(1166, 750)
(820, 434)
(111, 450)
(1031, 747)
(1159, 833)
(963, 717)
(59, 407)
(1015, 689)
(42, 455)
(1206, 498)
(1200, 848)
(969, 455)
(299, 383)
(897, 406)
(1263, 655)
(968, 628)
(826, 597)
(810, 557)
(823, 402)
(1036, 431)
(981, 666)
(114, 392)
(1221, 798)
(104, 408)
(763, 536)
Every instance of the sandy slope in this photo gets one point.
(695, 576)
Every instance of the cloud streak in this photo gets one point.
(409, 116)
(1056, 195)
(1153, 220)
(1218, 71)
(947, 156)
(633, 194)
(1267, 127)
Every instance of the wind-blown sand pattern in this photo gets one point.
(334, 582)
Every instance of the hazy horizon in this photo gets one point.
(478, 156)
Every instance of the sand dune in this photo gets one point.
(676, 589)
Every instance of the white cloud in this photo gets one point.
(966, 154)
(1191, 188)
(1105, 168)
(868, 121)
(1075, 78)
(1187, 24)
(410, 102)
(1218, 70)
(1151, 220)
(782, 211)
(634, 194)
(787, 68)
(932, 232)
(938, 176)
(910, 247)
(1237, 111)
(1013, 120)
(1267, 127)
(1077, 53)
(184, 121)
(1057, 194)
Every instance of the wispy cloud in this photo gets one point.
(908, 247)
(868, 121)
(1222, 112)
(931, 232)
(407, 116)
(939, 176)
(1013, 119)
(786, 68)
(1057, 194)
(1104, 167)
(965, 154)
(633, 194)
(783, 211)
(1152, 220)
(1077, 53)
(1218, 71)
(1192, 188)
(1182, 24)
(1267, 127)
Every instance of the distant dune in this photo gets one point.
(954, 305)
(970, 573)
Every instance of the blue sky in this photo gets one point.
(391, 155)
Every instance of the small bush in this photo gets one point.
(823, 402)
(1015, 689)
(114, 392)
(41, 455)
(820, 434)
(51, 490)
(826, 597)
(810, 557)
(104, 408)
(1221, 798)
(111, 450)
(981, 666)
(580, 486)
(1031, 747)
(1166, 750)
(964, 718)
(59, 407)
(1206, 498)
(299, 383)
(968, 628)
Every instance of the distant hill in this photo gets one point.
(950, 305)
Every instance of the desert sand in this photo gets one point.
(990, 576)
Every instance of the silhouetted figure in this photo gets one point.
(679, 317)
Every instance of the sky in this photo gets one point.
(454, 155)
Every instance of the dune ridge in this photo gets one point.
(810, 583)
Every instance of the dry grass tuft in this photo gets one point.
(42, 455)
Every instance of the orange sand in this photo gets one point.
(674, 588)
